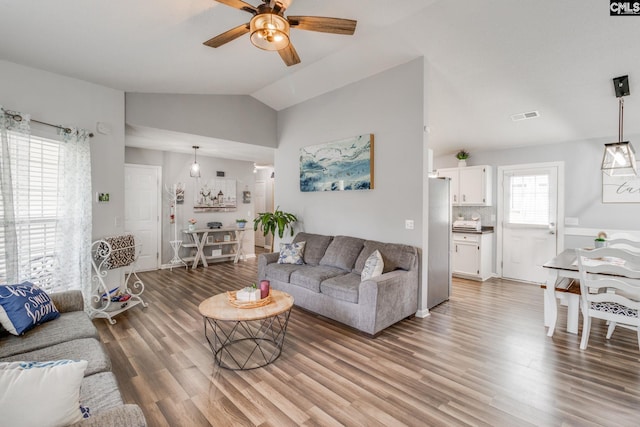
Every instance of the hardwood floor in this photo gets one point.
(480, 359)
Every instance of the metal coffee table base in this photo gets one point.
(246, 344)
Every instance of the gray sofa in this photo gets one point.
(329, 281)
(73, 336)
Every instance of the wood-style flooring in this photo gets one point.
(481, 358)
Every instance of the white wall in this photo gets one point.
(62, 100)
(175, 168)
(389, 105)
(239, 118)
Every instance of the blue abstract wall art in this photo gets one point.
(338, 166)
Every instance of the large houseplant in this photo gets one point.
(270, 222)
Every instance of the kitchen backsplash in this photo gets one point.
(485, 212)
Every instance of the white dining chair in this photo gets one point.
(609, 289)
(624, 243)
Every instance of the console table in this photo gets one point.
(214, 243)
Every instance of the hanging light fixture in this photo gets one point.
(195, 167)
(269, 30)
(619, 157)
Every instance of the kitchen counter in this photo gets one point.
(483, 230)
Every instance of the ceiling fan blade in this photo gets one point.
(289, 55)
(323, 24)
(239, 4)
(227, 36)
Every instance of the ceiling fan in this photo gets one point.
(269, 27)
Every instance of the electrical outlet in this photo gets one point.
(408, 224)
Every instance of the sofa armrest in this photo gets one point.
(119, 416)
(263, 261)
(68, 301)
(392, 297)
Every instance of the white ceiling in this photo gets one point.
(486, 59)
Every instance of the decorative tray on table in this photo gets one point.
(248, 304)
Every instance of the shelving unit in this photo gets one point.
(105, 258)
(212, 244)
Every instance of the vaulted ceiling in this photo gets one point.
(485, 60)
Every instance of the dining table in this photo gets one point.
(562, 268)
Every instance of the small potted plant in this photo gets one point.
(601, 240)
(192, 225)
(241, 223)
(462, 157)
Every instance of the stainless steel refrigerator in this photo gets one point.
(439, 229)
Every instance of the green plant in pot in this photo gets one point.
(601, 240)
(272, 222)
(241, 223)
(462, 157)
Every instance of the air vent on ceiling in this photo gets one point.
(525, 116)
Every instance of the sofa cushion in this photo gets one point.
(89, 349)
(311, 277)
(67, 327)
(41, 393)
(395, 256)
(316, 246)
(291, 253)
(281, 272)
(24, 306)
(342, 252)
(343, 287)
(100, 392)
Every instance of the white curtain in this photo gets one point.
(46, 233)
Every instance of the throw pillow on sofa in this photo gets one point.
(373, 266)
(25, 306)
(41, 393)
(291, 253)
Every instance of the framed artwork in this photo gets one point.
(215, 195)
(620, 189)
(338, 166)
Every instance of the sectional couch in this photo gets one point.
(329, 281)
(73, 336)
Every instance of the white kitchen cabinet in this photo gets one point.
(470, 186)
(471, 255)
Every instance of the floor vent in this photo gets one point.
(525, 116)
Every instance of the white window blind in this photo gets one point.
(35, 179)
(529, 199)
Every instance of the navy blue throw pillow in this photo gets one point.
(25, 306)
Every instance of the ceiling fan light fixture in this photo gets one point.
(269, 31)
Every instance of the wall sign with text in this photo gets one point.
(620, 189)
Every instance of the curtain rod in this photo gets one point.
(18, 118)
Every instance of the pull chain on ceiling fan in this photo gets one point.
(269, 27)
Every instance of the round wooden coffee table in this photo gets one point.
(246, 338)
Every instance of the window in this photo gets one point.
(34, 163)
(529, 201)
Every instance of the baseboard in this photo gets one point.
(423, 313)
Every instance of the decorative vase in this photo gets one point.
(264, 288)
(192, 228)
(600, 243)
(462, 163)
(241, 224)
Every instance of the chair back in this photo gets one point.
(609, 275)
(630, 245)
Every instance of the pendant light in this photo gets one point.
(619, 157)
(195, 167)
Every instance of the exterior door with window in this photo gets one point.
(529, 222)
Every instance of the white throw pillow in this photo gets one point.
(373, 266)
(41, 393)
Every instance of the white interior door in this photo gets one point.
(142, 211)
(529, 211)
(260, 206)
